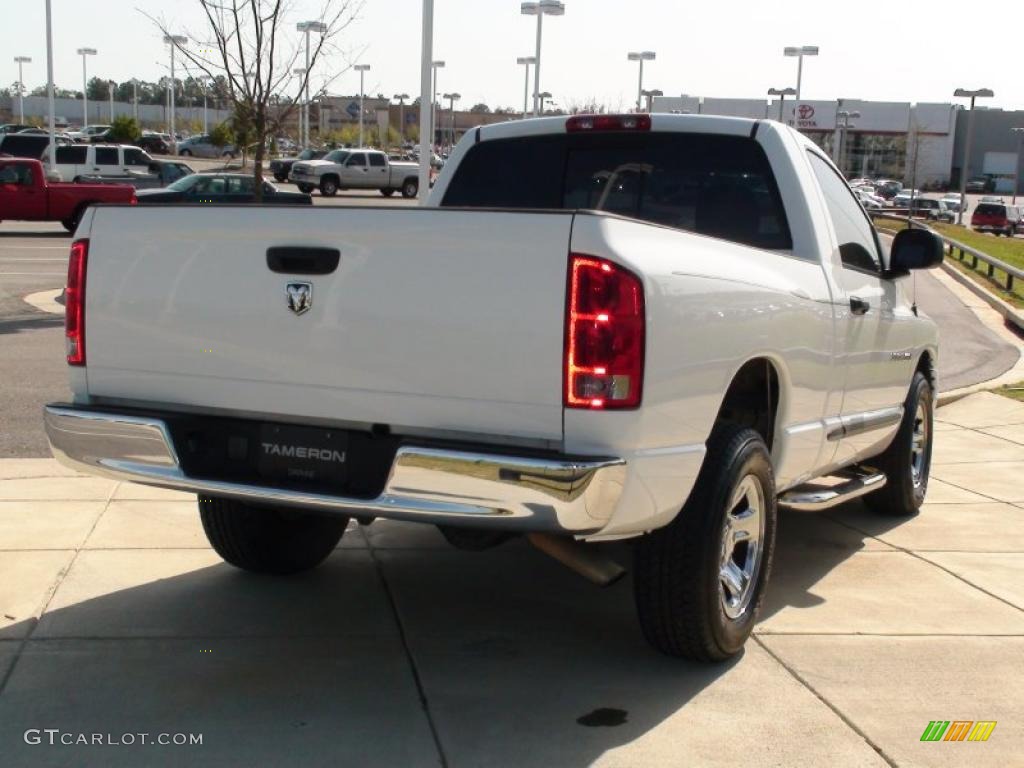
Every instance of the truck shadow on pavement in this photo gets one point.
(518, 661)
(32, 322)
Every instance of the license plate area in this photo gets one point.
(302, 454)
(216, 448)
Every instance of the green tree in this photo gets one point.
(222, 134)
(480, 108)
(124, 130)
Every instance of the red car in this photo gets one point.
(997, 218)
(26, 195)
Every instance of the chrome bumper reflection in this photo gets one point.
(431, 485)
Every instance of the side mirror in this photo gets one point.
(914, 249)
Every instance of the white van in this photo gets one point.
(78, 160)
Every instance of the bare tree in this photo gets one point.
(256, 51)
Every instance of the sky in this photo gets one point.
(890, 51)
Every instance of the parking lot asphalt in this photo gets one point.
(116, 618)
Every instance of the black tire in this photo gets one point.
(71, 223)
(307, 188)
(264, 540)
(185, 153)
(328, 187)
(410, 188)
(907, 470)
(680, 598)
(281, 177)
(228, 156)
(387, 191)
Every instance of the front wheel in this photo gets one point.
(908, 459)
(410, 188)
(265, 540)
(387, 192)
(281, 177)
(307, 188)
(699, 581)
(328, 187)
(185, 153)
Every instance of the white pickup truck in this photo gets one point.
(602, 327)
(343, 169)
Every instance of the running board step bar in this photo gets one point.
(811, 497)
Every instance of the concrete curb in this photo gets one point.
(47, 301)
(1008, 311)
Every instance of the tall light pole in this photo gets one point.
(541, 98)
(434, 65)
(640, 56)
(452, 98)
(963, 93)
(321, 29)
(649, 95)
(174, 41)
(782, 93)
(21, 86)
(800, 52)
(846, 117)
(426, 95)
(83, 52)
(135, 101)
(206, 114)
(49, 86)
(362, 69)
(401, 97)
(526, 61)
(540, 9)
(303, 117)
(1019, 132)
(110, 95)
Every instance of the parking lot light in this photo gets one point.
(640, 56)
(83, 52)
(21, 86)
(452, 98)
(1019, 132)
(51, 110)
(321, 29)
(526, 61)
(844, 116)
(426, 96)
(303, 117)
(800, 52)
(540, 10)
(782, 93)
(362, 69)
(401, 97)
(174, 41)
(541, 98)
(434, 65)
(963, 93)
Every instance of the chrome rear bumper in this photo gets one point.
(430, 485)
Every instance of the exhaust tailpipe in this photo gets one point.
(584, 560)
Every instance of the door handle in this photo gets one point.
(858, 306)
(303, 260)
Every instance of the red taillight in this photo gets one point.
(74, 303)
(134, 200)
(578, 123)
(604, 335)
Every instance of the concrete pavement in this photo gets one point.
(115, 617)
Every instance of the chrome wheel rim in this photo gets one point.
(919, 445)
(742, 546)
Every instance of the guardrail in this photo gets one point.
(991, 262)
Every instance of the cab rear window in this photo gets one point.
(990, 209)
(710, 184)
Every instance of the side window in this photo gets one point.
(106, 156)
(358, 160)
(8, 174)
(858, 248)
(136, 157)
(73, 155)
(240, 186)
(377, 161)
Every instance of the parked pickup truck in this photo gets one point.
(655, 327)
(158, 174)
(355, 169)
(26, 195)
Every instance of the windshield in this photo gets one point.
(184, 184)
(337, 156)
(306, 154)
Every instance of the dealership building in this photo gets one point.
(920, 144)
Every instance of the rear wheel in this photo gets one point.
(699, 581)
(908, 459)
(328, 187)
(71, 222)
(410, 188)
(265, 540)
(185, 153)
(387, 191)
(281, 177)
(307, 188)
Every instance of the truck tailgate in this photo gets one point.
(433, 320)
